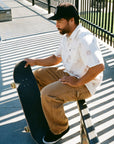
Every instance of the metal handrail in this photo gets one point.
(87, 130)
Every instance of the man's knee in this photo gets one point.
(44, 95)
(37, 73)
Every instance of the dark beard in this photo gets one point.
(62, 31)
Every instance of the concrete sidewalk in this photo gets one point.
(31, 35)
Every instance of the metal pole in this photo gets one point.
(33, 2)
(76, 4)
(83, 136)
(49, 7)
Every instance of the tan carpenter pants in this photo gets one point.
(54, 94)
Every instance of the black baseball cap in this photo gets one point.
(65, 10)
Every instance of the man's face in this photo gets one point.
(63, 26)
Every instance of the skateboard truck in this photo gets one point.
(26, 128)
(13, 85)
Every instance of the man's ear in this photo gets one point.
(72, 20)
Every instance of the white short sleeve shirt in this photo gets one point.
(79, 52)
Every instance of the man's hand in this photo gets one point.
(90, 75)
(69, 80)
(30, 62)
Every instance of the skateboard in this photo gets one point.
(29, 96)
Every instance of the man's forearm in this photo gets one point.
(90, 75)
(49, 61)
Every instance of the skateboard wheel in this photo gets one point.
(13, 85)
(26, 128)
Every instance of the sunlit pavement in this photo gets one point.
(31, 35)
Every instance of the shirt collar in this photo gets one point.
(74, 33)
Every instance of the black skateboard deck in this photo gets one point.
(29, 96)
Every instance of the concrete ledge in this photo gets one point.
(5, 12)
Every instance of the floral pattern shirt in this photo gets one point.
(79, 52)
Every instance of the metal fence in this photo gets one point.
(98, 16)
(95, 15)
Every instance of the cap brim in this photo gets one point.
(55, 17)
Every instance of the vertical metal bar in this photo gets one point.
(99, 18)
(94, 4)
(76, 4)
(105, 20)
(112, 24)
(89, 13)
(92, 15)
(102, 19)
(86, 12)
(109, 20)
(49, 9)
(33, 2)
(82, 10)
(89, 16)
